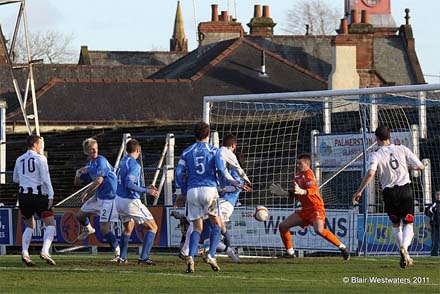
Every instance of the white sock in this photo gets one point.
(26, 240)
(342, 246)
(49, 233)
(290, 251)
(408, 234)
(89, 227)
(398, 236)
(221, 246)
(185, 247)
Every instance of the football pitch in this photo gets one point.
(95, 274)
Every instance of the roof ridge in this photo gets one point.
(286, 61)
(225, 53)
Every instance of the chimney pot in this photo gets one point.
(344, 26)
(225, 16)
(214, 13)
(354, 16)
(257, 10)
(365, 17)
(266, 11)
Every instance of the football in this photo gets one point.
(261, 213)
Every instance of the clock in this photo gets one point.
(370, 3)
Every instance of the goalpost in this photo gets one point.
(337, 129)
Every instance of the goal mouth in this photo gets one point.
(336, 129)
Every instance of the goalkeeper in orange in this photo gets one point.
(306, 190)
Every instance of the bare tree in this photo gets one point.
(51, 46)
(320, 17)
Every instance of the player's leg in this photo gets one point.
(291, 221)
(27, 211)
(128, 225)
(185, 248)
(26, 240)
(148, 242)
(108, 215)
(45, 212)
(391, 201)
(226, 209)
(318, 226)
(88, 208)
(407, 214)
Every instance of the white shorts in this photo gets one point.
(226, 210)
(105, 208)
(201, 202)
(132, 209)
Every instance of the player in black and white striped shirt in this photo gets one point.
(35, 196)
(393, 162)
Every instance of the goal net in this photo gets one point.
(337, 129)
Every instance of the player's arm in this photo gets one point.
(96, 183)
(231, 159)
(45, 176)
(365, 181)
(223, 170)
(311, 187)
(80, 176)
(181, 173)
(413, 161)
(16, 177)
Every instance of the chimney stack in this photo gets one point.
(365, 17)
(344, 26)
(257, 10)
(214, 12)
(266, 11)
(224, 16)
(261, 25)
(354, 16)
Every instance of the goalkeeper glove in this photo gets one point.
(278, 190)
(299, 190)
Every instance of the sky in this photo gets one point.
(143, 25)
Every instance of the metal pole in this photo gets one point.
(422, 115)
(426, 180)
(314, 146)
(3, 106)
(206, 111)
(327, 115)
(373, 113)
(415, 146)
(364, 171)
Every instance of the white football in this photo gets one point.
(261, 213)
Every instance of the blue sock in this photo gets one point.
(193, 243)
(227, 239)
(124, 245)
(147, 245)
(85, 222)
(111, 240)
(214, 239)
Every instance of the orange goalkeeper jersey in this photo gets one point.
(306, 180)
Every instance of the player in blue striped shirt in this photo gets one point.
(129, 205)
(98, 171)
(197, 171)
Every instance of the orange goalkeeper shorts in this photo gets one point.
(310, 215)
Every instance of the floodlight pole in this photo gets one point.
(30, 80)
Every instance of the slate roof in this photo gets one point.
(155, 58)
(231, 68)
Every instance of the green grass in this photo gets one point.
(95, 274)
